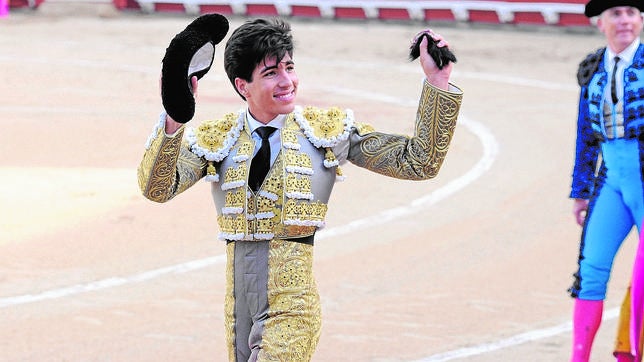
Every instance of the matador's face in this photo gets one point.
(272, 90)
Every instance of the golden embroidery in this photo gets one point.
(244, 151)
(329, 155)
(168, 167)
(298, 187)
(190, 169)
(298, 162)
(264, 204)
(304, 213)
(235, 201)
(324, 128)
(339, 174)
(292, 330)
(364, 128)
(229, 301)
(265, 227)
(234, 177)
(232, 226)
(286, 231)
(441, 109)
(213, 140)
(289, 139)
(325, 124)
(157, 170)
(273, 185)
(211, 172)
(211, 134)
(318, 212)
(419, 157)
(288, 182)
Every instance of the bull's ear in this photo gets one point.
(441, 55)
(190, 53)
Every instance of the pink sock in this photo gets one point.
(587, 317)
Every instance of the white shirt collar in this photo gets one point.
(277, 122)
(625, 57)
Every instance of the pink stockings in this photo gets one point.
(587, 317)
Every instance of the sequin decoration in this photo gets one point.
(292, 329)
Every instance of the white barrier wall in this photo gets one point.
(553, 12)
(561, 13)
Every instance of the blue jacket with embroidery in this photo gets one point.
(590, 130)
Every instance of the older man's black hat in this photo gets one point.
(596, 7)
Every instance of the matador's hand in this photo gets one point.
(171, 126)
(435, 57)
(190, 54)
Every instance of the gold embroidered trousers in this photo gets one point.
(272, 307)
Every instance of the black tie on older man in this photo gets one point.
(613, 87)
(261, 163)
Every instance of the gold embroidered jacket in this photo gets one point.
(292, 202)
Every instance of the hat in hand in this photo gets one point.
(189, 54)
(596, 7)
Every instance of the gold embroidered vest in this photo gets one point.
(293, 200)
(291, 203)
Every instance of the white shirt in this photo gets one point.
(625, 60)
(274, 138)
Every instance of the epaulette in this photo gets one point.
(364, 128)
(324, 127)
(589, 66)
(214, 139)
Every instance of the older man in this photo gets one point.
(608, 194)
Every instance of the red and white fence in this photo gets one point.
(552, 12)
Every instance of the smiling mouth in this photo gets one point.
(285, 96)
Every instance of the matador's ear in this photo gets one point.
(189, 54)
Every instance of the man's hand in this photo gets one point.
(190, 53)
(435, 76)
(171, 126)
(580, 210)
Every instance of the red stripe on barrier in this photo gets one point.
(261, 9)
(350, 13)
(529, 18)
(220, 9)
(306, 11)
(523, 16)
(393, 14)
(439, 15)
(169, 7)
(484, 16)
(120, 4)
(573, 20)
(16, 4)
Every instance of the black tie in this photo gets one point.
(613, 87)
(262, 161)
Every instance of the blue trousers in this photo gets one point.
(616, 206)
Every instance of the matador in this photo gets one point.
(272, 307)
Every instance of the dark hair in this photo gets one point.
(252, 43)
